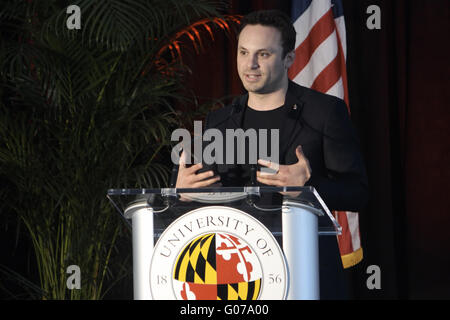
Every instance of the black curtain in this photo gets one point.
(398, 82)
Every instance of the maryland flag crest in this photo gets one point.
(217, 266)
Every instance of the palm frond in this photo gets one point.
(88, 110)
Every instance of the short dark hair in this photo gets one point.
(276, 19)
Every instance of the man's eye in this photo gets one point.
(243, 53)
(264, 54)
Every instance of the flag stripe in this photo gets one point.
(345, 246)
(308, 18)
(337, 89)
(328, 76)
(353, 224)
(321, 30)
(340, 27)
(321, 57)
(343, 69)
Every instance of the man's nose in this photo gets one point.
(253, 62)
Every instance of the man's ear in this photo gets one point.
(289, 59)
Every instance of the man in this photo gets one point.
(318, 146)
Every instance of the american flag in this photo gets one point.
(320, 64)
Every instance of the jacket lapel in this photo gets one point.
(238, 112)
(290, 131)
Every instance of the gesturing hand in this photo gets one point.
(188, 178)
(296, 174)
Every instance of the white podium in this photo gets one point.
(225, 243)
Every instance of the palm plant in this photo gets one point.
(85, 110)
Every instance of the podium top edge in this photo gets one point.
(136, 191)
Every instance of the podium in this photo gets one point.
(225, 242)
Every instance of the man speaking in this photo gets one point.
(317, 143)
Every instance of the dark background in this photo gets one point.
(399, 91)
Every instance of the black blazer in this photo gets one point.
(321, 125)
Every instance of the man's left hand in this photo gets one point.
(296, 174)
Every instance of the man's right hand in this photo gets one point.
(188, 178)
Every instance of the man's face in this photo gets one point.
(260, 61)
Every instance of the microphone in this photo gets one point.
(174, 175)
(235, 106)
(253, 169)
(253, 198)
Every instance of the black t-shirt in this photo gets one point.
(269, 120)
